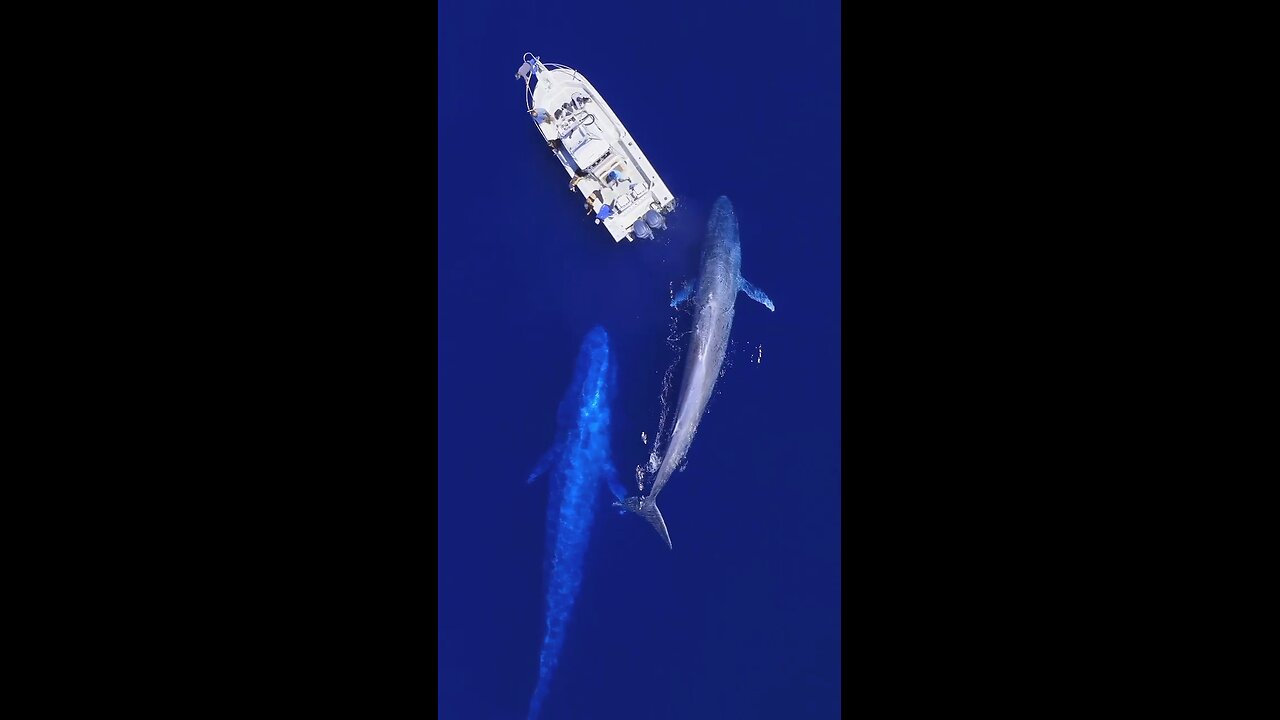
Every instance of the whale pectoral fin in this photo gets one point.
(685, 292)
(754, 293)
(548, 458)
(647, 509)
(615, 485)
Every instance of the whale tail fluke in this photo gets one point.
(647, 509)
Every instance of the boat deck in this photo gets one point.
(603, 161)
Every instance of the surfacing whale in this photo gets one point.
(713, 306)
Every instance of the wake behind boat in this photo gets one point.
(622, 189)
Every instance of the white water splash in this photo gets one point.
(664, 399)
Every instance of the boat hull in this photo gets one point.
(603, 161)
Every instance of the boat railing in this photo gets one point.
(558, 66)
(533, 61)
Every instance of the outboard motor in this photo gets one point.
(655, 220)
(641, 230)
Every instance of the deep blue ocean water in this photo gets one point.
(742, 618)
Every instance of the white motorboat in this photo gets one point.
(622, 189)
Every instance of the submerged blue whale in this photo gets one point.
(578, 461)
